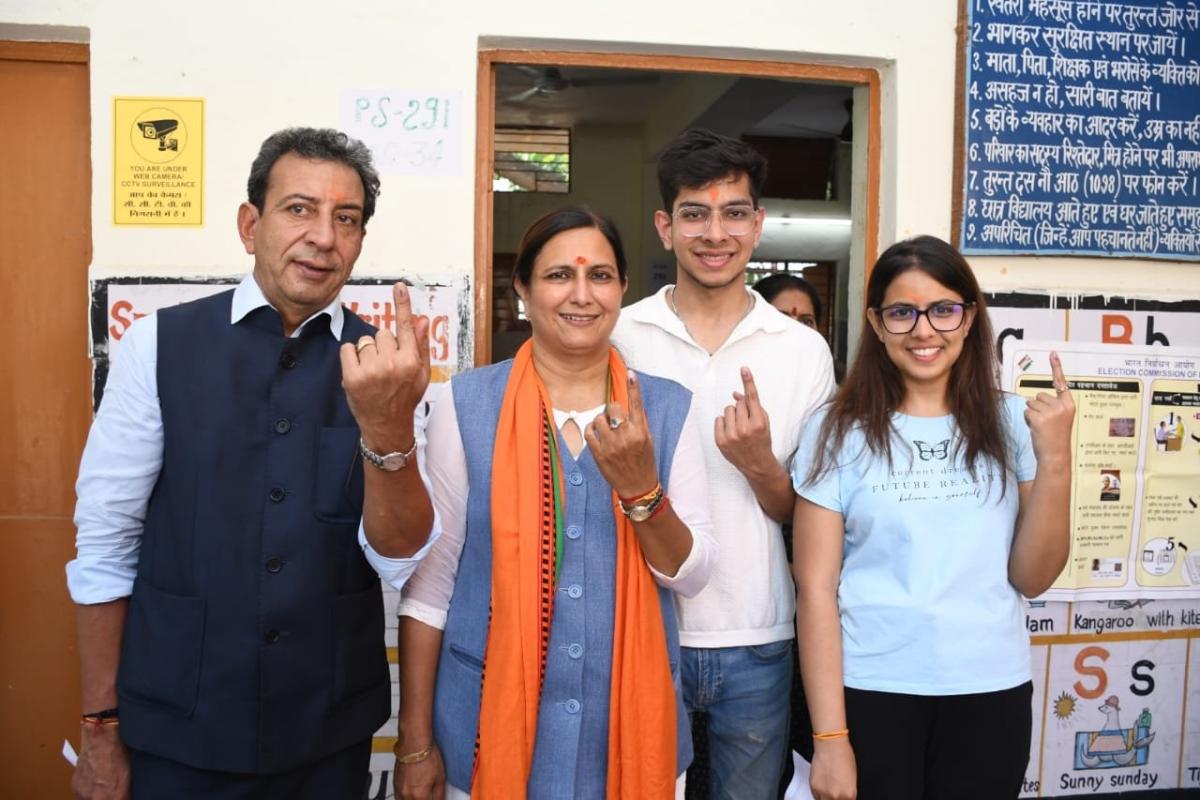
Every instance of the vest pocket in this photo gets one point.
(338, 479)
(359, 658)
(162, 648)
(466, 659)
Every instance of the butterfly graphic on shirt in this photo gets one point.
(929, 452)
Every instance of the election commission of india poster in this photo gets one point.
(1135, 489)
(1116, 669)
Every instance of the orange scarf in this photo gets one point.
(641, 736)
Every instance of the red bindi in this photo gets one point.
(580, 260)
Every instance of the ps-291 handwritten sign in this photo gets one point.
(409, 133)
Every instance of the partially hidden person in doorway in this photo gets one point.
(930, 501)
(237, 508)
(792, 295)
(757, 376)
(539, 649)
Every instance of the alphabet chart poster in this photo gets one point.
(1115, 697)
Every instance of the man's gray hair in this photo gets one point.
(323, 144)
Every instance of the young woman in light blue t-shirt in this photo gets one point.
(929, 502)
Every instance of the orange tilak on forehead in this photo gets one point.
(712, 193)
(345, 202)
(581, 261)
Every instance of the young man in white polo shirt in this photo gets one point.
(757, 375)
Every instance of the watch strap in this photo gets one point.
(381, 460)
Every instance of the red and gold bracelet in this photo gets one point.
(658, 509)
(108, 716)
(641, 499)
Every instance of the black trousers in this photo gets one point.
(953, 747)
(340, 776)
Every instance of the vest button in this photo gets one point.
(282, 426)
(575, 651)
(574, 531)
(575, 478)
(271, 636)
(288, 361)
(274, 564)
(572, 706)
(574, 591)
(277, 495)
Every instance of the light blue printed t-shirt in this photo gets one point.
(926, 605)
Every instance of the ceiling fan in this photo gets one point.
(548, 81)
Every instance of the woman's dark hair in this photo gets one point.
(547, 226)
(321, 144)
(874, 388)
(770, 287)
(698, 157)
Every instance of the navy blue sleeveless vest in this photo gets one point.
(254, 641)
(571, 754)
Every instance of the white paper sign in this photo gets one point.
(409, 133)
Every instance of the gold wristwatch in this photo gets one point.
(643, 508)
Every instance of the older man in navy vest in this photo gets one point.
(237, 508)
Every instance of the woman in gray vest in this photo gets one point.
(538, 641)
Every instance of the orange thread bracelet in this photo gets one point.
(824, 737)
(635, 501)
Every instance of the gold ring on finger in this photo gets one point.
(364, 343)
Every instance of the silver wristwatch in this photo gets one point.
(389, 462)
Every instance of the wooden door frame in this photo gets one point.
(42, 672)
(485, 124)
(58, 52)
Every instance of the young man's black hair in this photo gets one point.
(699, 157)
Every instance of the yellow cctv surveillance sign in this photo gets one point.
(158, 161)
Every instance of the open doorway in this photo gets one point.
(585, 129)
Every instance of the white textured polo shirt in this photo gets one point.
(750, 598)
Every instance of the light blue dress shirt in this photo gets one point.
(124, 455)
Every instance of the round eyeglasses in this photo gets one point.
(693, 221)
(943, 317)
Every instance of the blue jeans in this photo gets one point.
(745, 693)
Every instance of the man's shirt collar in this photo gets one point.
(248, 296)
(656, 310)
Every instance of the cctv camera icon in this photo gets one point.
(161, 129)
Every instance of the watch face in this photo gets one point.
(393, 463)
(639, 513)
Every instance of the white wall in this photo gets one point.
(262, 66)
(606, 161)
